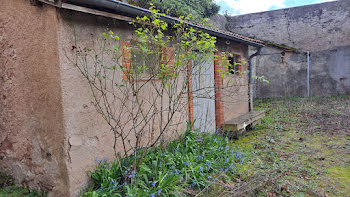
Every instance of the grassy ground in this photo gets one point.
(8, 189)
(302, 148)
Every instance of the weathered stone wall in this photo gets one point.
(31, 116)
(287, 75)
(88, 134)
(323, 29)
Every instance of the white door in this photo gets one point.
(203, 94)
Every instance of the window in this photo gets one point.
(144, 63)
(233, 65)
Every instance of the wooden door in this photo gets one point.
(203, 94)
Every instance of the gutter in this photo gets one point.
(251, 79)
(137, 11)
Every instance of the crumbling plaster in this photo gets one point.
(89, 137)
(31, 128)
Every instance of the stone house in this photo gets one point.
(51, 133)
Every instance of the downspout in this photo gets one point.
(251, 79)
(308, 73)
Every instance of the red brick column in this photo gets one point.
(190, 92)
(126, 59)
(219, 107)
(168, 57)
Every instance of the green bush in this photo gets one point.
(193, 162)
(199, 9)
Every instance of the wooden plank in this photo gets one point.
(56, 3)
(244, 118)
(96, 12)
(243, 121)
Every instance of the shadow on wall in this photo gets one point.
(339, 68)
(329, 73)
(286, 74)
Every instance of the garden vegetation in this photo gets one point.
(199, 9)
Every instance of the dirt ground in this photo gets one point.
(302, 148)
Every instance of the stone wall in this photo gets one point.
(323, 29)
(31, 128)
(88, 136)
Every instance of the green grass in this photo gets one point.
(14, 191)
(301, 148)
(8, 189)
(311, 137)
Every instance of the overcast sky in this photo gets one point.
(237, 7)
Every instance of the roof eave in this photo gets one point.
(137, 11)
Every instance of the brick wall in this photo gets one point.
(126, 59)
(219, 107)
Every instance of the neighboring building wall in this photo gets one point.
(322, 29)
(32, 132)
(287, 75)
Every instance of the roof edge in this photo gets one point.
(138, 11)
